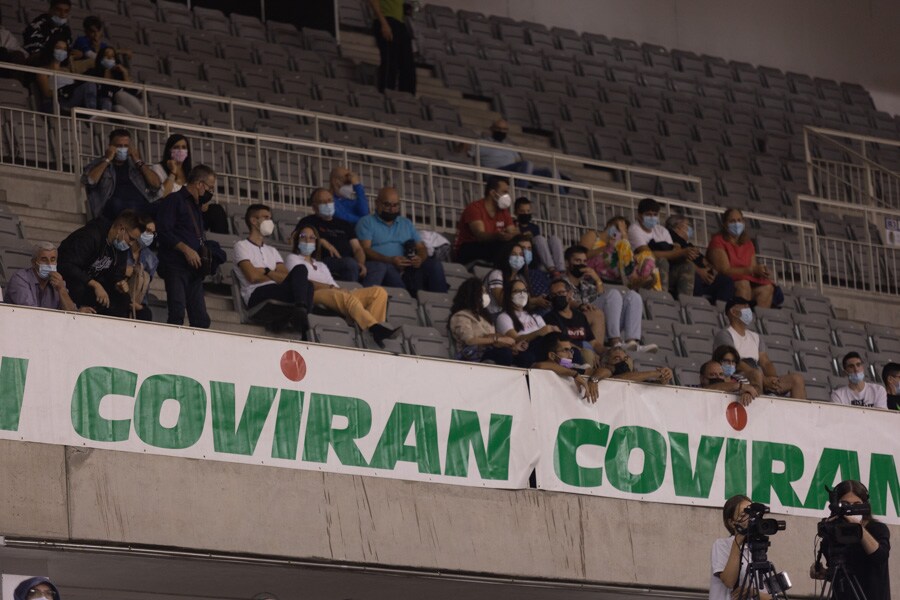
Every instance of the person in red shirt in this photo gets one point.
(486, 224)
(731, 252)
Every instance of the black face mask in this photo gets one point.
(559, 303)
(498, 136)
(621, 368)
(524, 219)
(577, 270)
(715, 380)
(205, 197)
(387, 217)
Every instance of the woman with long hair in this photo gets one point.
(174, 165)
(731, 252)
(509, 265)
(729, 557)
(474, 336)
(517, 322)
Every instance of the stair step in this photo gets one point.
(25, 210)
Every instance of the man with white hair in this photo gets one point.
(40, 285)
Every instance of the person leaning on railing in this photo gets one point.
(69, 93)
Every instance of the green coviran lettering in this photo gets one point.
(13, 372)
(465, 434)
(834, 465)
(287, 425)
(883, 480)
(765, 479)
(570, 436)
(690, 481)
(735, 467)
(321, 434)
(94, 384)
(392, 448)
(191, 398)
(623, 442)
(243, 438)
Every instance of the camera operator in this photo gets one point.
(728, 564)
(866, 559)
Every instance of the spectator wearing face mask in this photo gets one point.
(485, 225)
(708, 283)
(69, 93)
(890, 375)
(754, 361)
(36, 588)
(119, 180)
(731, 252)
(342, 252)
(517, 322)
(350, 201)
(142, 265)
(561, 358)
(674, 262)
(507, 159)
(93, 261)
(858, 392)
(106, 65)
(174, 165)
(538, 280)
(729, 358)
(549, 249)
(263, 275)
(51, 25)
(472, 329)
(713, 377)
(509, 265)
(610, 255)
(622, 367)
(40, 285)
(573, 324)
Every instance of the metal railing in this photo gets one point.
(405, 140)
(842, 166)
(871, 264)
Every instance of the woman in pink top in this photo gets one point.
(732, 253)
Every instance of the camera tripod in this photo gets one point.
(760, 573)
(840, 580)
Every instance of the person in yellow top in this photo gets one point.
(398, 67)
(612, 257)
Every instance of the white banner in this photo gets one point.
(121, 385)
(690, 446)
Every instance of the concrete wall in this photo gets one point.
(119, 497)
(847, 41)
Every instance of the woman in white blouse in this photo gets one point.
(518, 323)
(366, 306)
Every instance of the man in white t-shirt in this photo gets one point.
(755, 364)
(858, 392)
(675, 263)
(262, 274)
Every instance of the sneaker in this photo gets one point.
(631, 345)
(647, 348)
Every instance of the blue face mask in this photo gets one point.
(614, 233)
(326, 210)
(690, 232)
(856, 377)
(736, 229)
(516, 262)
(60, 55)
(746, 316)
(147, 238)
(45, 270)
(529, 256)
(121, 153)
(108, 63)
(650, 222)
(306, 248)
(121, 245)
(728, 370)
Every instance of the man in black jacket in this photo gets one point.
(46, 26)
(93, 259)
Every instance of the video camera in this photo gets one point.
(757, 526)
(837, 531)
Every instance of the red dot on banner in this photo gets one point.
(736, 415)
(293, 366)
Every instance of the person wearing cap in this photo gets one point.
(486, 224)
(675, 262)
(858, 392)
(36, 588)
(755, 364)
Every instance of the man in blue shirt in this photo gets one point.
(395, 253)
(350, 201)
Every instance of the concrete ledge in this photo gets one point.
(33, 496)
(41, 189)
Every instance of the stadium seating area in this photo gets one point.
(735, 125)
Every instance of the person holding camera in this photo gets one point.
(865, 559)
(729, 558)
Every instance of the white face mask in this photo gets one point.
(346, 191)
(504, 201)
(485, 300)
(520, 299)
(267, 227)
